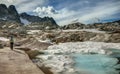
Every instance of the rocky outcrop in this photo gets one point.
(16, 62)
(76, 25)
(80, 36)
(9, 17)
(109, 26)
(9, 14)
(3, 10)
(34, 44)
(9, 25)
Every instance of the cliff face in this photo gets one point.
(9, 13)
(37, 22)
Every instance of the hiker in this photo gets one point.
(11, 42)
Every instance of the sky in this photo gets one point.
(69, 11)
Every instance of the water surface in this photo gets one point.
(95, 64)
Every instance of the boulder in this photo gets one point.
(1, 46)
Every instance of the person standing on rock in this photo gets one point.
(11, 42)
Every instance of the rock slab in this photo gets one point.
(16, 62)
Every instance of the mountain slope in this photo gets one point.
(36, 22)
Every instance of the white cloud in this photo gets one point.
(60, 16)
(24, 5)
(103, 10)
(11, 1)
(45, 10)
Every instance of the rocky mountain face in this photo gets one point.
(33, 18)
(36, 22)
(9, 15)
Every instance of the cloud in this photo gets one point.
(102, 11)
(10, 1)
(45, 10)
(24, 5)
(84, 11)
(60, 16)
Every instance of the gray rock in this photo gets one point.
(9, 14)
(76, 25)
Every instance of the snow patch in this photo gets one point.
(4, 18)
(45, 41)
(88, 30)
(33, 31)
(3, 39)
(25, 21)
(11, 26)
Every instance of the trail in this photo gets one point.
(16, 62)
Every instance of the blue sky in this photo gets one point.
(67, 11)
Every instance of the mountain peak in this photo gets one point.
(3, 6)
(3, 10)
(9, 13)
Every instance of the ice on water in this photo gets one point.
(84, 57)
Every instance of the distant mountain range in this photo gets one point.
(109, 26)
(10, 14)
(10, 18)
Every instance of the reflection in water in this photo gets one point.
(95, 64)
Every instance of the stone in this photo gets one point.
(1, 46)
